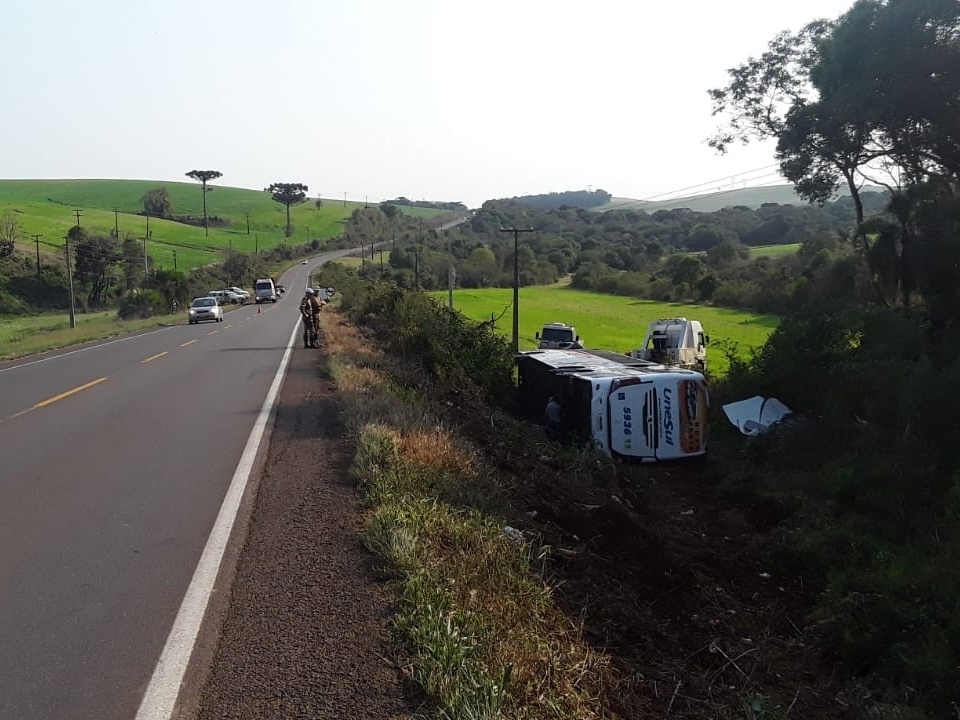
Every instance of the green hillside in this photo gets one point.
(711, 202)
(46, 207)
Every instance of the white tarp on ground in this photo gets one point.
(755, 415)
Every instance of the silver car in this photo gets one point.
(204, 308)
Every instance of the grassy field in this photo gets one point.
(610, 322)
(20, 336)
(46, 207)
(773, 250)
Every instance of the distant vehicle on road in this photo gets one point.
(304, 262)
(281, 289)
(264, 290)
(204, 308)
(239, 291)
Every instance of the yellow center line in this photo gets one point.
(154, 357)
(61, 396)
(188, 342)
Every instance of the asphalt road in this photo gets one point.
(114, 462)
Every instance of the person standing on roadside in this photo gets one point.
(310, 314)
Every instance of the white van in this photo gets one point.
(264, 290)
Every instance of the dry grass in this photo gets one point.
(477, 617)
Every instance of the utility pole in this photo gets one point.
(449, 274)
(73, 313)
(344, 198)
(516, 283)
(174, 258)
(248, 222)
(148, 225)
(381, 261)
(256, 245)
(116, 223)
(37, 238)
(146, 267)
(78, 213)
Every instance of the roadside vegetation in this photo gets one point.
(481, 636)
(22, 335)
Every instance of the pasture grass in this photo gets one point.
(611, 322)
(46, 208)
(22, 335)
(774, 250)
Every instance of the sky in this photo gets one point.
(443, 100)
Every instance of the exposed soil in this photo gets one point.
(667, 578)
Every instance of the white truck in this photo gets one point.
(675, 341)
(558, 335)
(627, 408)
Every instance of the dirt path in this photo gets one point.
(304, 632)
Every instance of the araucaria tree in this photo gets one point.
(288, 194)
(204, 176)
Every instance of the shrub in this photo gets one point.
(141, 304)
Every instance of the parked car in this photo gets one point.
(227, 296)
(204, 308)
(239, 291)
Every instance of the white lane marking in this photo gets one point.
(85, 349)
(161, 694)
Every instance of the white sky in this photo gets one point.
(430, 99)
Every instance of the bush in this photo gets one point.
(872, 471)
(141, 304)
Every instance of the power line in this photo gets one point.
(722, 181)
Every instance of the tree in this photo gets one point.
(10, 233)
(821, 139)
(133, 263)
(684, 270)
(95, 257)
(156, 202)
(172, 284)
(287, 194)
(204, 176)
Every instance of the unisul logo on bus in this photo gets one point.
(667, 416)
